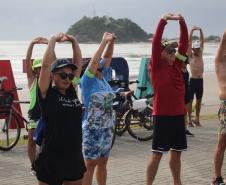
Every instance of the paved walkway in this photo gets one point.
(127, 164)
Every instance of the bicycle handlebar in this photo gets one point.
(11, 90)
(132, 82)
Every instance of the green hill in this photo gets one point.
(90, 30)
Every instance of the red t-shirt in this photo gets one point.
(167, 80)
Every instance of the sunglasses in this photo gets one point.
(171, 50)
(64, 75)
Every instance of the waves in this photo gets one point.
(16, 52)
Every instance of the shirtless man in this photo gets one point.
(220, 67)
(195, 52)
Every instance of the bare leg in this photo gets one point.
(31, 146)
(78, 182)
(101, 172)
(219, 155)
(197, 109)
(190, 111)
(88, 176)
(41, 183)
(153, 165)
(175, 166)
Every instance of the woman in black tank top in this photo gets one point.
(60, 160)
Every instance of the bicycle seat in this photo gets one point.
(142, 88)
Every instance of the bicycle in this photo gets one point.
(125, 112)
(121, 105)
(10, 116)
(139, 120)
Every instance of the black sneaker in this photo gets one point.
(187, 132)
(218, 181)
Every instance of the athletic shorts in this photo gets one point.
(196, 88)
(97, 142)
(169, 134)
(32, 124)
(55, 167)
(222, 117)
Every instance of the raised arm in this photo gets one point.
(221, 52)
(189, 51)
(77, 55)
(109, 52)
(183, 41)
(201, 38)
(156, 42)
(30, 73)
(49, 57)
(93, 64)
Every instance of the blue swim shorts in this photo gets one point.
(97, 142)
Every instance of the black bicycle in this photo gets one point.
(10, 119)
(138, 122)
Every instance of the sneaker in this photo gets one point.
(218, 181)
(33, 172)
(190, 124)
(187, 132)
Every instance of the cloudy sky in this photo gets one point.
(26, 19)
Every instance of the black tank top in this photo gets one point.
(63, 118)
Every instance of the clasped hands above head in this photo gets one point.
(62, 37)
(40, 40)
(109, 37)
(172, 16)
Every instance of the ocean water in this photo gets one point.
(15, 51)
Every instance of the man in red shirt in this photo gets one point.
(168, 105)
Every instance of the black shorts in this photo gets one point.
(169, 134)
(54, 168)
(196, 88)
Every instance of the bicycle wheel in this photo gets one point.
(9, 131)
(140, 124)
(120, 126)
(113, 137)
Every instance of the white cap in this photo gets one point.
(196, 44)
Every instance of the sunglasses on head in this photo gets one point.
(171, 50)
(64, 75)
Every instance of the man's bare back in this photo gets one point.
(220, 67)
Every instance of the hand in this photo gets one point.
(224, 34)
(69, 38)
(181, 17)
(58, 37)
(171, 16)
(108, 37)
(40, 40)
(196, 28)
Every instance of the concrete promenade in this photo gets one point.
(128, 161)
